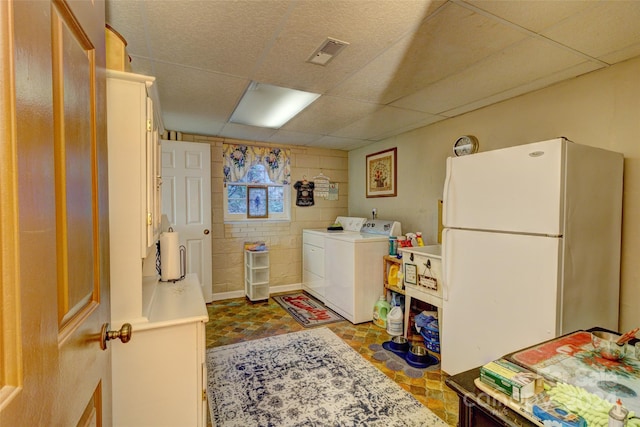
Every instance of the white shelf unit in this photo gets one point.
(256, 275)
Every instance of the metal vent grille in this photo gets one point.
(327, 51)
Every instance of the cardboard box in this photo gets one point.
(511, 379)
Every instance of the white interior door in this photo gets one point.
(186, 201)
(54, 286)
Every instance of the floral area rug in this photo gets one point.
(306, 378)
(307, 310)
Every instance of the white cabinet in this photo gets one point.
(422, 267)
(313, 264)
(133, 193)
(158, 378)
(256, 275)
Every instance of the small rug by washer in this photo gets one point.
(307, 310)
(310, 378)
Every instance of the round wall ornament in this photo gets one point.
(466, 144)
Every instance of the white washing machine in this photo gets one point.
(347, 275)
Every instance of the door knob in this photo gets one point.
(124, 334)
(206, 231)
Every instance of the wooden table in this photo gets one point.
(477, 409)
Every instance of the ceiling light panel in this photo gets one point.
(270, 106)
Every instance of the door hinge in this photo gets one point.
(204, 394)
(149, 219)
(149, 125)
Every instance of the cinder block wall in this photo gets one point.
(284, 239)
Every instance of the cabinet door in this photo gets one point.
(159, 379)
(150, 176)
(156, 186)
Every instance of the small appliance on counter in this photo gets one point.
(337, 265)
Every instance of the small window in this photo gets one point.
(255, 196)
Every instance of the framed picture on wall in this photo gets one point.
(257, 202)
(382, 174)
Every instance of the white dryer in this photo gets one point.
(350, 279)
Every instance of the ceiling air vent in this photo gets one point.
(327, 51)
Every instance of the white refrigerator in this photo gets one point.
(531, 248)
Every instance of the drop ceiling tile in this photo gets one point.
(416, 125)
(533, 15)
(340, 143)
(249, 133)
(518, 65)
(370, 26)
(293, 138)
(609, 27)
(438, 49)
(187, 90)
(582, 68)
(382, 121)
(203, 54)
(142, 65)
(126, 18)
(189, 122)
(223, 36)
(329, 113)
(622, 54)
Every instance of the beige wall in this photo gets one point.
(600, 109)
(284, 239)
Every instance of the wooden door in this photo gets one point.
(186, 200)
(54, 287)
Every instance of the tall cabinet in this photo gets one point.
(159, 376)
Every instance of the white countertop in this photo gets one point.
(176, 303)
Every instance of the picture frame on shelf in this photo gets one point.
(381, 169)
(257, 202)
(410, 274)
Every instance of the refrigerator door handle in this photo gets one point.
(445, 265)
(445, 192)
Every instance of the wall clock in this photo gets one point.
(467, 144)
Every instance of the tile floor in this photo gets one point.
(238, 319)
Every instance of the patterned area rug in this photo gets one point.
(309, 378)
(307, 310)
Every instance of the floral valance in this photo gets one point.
(239, 159)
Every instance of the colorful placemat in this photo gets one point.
(572, 359)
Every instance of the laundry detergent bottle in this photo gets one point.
(395, 325)
(380, 310)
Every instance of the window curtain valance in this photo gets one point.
(239, 159)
